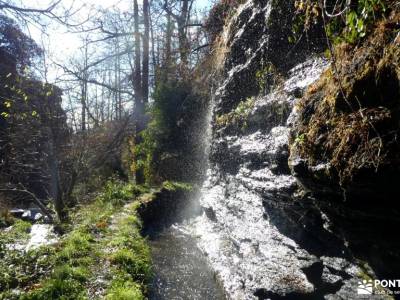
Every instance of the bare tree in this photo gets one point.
(181, 18)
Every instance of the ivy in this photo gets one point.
(349, 23)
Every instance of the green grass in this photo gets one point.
(124, 290)
(130, 260)
(66, 270)
(20, 230)
(16, 267)
(72, 260)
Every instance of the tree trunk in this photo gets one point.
(117, 79)
(55, 192)
(83, 106)
(167, 59)
(137, 86)
(146, 54)
(183, 43)
(84, 89)
(153, 43)
(137, 76)
(182, 36)
(181, 20)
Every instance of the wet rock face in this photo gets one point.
(258, 36)
(263, 241)
(263, 238)
(344, 148)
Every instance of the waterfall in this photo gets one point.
(245, 249)
(258, 237)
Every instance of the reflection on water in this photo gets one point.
(181, 270)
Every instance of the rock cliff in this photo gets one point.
(268, 234)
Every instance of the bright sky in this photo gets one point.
(62, 44)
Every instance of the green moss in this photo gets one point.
(132, 254)
(66, 283)
(66, 270)
(237, 117)
(365, 273)
(174, 186)
(71, 270)
(56, 288)
(300, 139)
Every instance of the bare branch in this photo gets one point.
(37, 201)
(200, 47)
(49, 9)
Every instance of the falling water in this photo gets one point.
(182, 271)
(243, 239)
(249, 253)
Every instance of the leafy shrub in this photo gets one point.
(19, 231)
(170, 145)
(357, 21)
(349, 23)
(27, 268)
(117, 192)
(268, 76)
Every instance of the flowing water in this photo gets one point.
(242, 237)
(181, 270)
(257, 234)
(237, 235)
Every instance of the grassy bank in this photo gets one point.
(102, 255)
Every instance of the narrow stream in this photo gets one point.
(181, 270)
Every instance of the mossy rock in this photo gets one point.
(350, 122)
